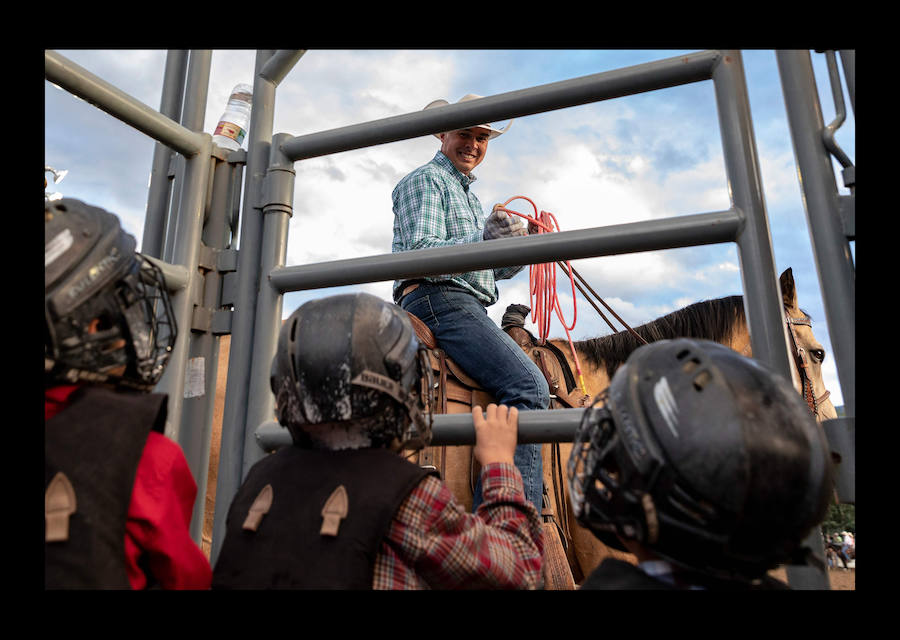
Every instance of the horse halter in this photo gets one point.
(799, 354)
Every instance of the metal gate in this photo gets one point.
(190, 228)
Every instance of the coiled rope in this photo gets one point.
(542, 284)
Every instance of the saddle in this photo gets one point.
(455, 385)
(457, 392)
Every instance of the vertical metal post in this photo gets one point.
(185, 253)
(763, 304)
(831, 247)
(834, 260)
(200, 389)
(277, 201)
(235, 410)
(192, 115)
(183, 245)
(156, 222)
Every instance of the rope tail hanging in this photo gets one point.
(542, 279)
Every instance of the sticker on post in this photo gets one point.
(195, 378)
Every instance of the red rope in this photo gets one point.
(542, 281)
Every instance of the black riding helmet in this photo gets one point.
(349, 372)
(105, 306)
(705, 456)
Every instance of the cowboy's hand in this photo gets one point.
(502, 225)
(496, 433)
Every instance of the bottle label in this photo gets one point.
(230, 130)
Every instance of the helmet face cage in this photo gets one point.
(593, 434)
(604, 485)
(420, 405)
(151, 321)
(130, 324)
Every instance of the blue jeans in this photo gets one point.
(470, 338)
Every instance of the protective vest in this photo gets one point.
(277, 536)
(91, 453)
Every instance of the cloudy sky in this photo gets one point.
(625, 160)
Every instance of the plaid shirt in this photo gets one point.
(434, 543)
(434, 207)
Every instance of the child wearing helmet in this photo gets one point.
(705, 465)
(342, 508)
(118, 493)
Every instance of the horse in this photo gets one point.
(566, 542)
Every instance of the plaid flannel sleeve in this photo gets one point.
(433, 542)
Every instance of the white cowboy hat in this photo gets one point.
(440, 102)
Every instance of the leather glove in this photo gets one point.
(503, 225)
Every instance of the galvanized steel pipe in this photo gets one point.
(650, 235)
(93, 89)
(453, 429)
(632, 80)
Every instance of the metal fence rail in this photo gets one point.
(195, 205)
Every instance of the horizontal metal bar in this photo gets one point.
(80, 82)
(557, 425)
(548, 97)
(650, 235)
(176, 276)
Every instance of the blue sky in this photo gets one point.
(624, 160)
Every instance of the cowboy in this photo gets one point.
(342, 508)
(434, 206)
(705, 465)
(118, 493)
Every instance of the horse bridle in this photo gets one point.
(799, 354)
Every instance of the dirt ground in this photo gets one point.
(840, 580)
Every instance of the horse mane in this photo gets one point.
(708, 319)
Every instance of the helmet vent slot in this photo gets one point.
(701, 380)
(690, 364)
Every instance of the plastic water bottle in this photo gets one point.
(232, 127)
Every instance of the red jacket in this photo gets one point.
(157, 534)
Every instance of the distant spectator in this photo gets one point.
(848, 545)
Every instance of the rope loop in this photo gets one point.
(542, 282)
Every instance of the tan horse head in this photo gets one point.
(807, 352)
